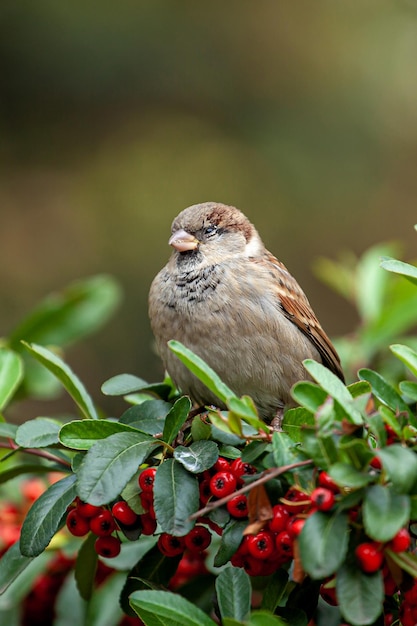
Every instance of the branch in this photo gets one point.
(40, 453)
(266, 475)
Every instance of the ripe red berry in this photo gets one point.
(221, 465)
(239, 468)
(170, 545)
(329, 594)
(376, 463)
(261, 545)
(295, 526)
(326, 481)
(369, 557)
(103, 524)
(147, 479)
(401, 541)
(284, 544)
(108, 547)
(222, 484)
(205, 491)
(88, 510)
(148, 524)
(122, 512)
(322, 498)
(252, 565)
(280, 518)
(198, 539)
(76, 524)
(146, 499)
(296, 501)
(238, 506)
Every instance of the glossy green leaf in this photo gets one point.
(66, 376)
(323, 543)
(334, 386)
(103, 608)
(86, 567)
(123, 384)
(309, 395)
(38, 433)
(264, 618)
(230, 541)
(399, 267)
(284, 449)
(275, 590)
(12, 564)
(294, 420)
(148, 417)
(163, 608)
(8, 430)
(206, 374)
(176, 418)
(400, 464)
(71, 314)
(46, 516)
(360, 595)
(345, 475)
(197, 457)
(10, 472)
(11, 374)
(245, 409)
(406, 355)
(322, 449)
(383, 390)
(82, 434)
(409, 388)
(109, 465)
(234, 591)
(356, 451)
(176, 497)
(371, 283)
(382, 503)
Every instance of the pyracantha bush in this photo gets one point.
(313, 523)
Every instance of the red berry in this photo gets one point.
(322, 498)
(103, 524)
(326, 481)
(147, 479)
(329, 594)
(170, 545)
(198, 539)
(76, 524)
(252, 565)
(238, 506)
(205, 491)
(369, 557)
(88, 510)
(261, 545)
(401, 541)
(239, 468)
(146, 499)
(222, 484)
(148, 524)
(376, 463)
(108, 547)
(284, 544)
(122, 512)
(221, 465)
(295, 526)
(296, 501)
(280, 518)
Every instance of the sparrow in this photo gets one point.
(231, 302)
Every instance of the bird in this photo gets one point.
(224, 296)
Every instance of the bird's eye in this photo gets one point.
(210, 230)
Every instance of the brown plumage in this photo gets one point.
(228, 299)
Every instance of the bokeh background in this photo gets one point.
(115, 116)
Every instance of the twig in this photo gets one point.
(40, 453)
(266, 475)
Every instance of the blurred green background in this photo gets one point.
(115, 116)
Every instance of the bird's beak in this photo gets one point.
(183, 241)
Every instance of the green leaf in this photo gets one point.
(69, 607)
(8, 430)
(148, 417)
(245, 409)
(176, 418)
(66, 376)
(234, 591)
(360, 595)
(46, 515)
(356, 451)
(86, 567)
(383, 503)
(294, 420)
(323, 543)
(12, 564)
(345, 475)
(163, 608)
(123, 384)
(406, 355)
(81, 435)
(371, 283)
(230, 541)
(197, 366)
(38, 433)
(406, 560)
(383, 390)
(103, 609)
(11, 374)
(321, 449)
(276, 590)
(109, 465)
(409, 389)
(198, 457)
(399, 267)
(176, 497)
(264, 618)
(25, 468)
(309, 395)
(334, 387)
(400, 464)
(75, 312)
(283, 449)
